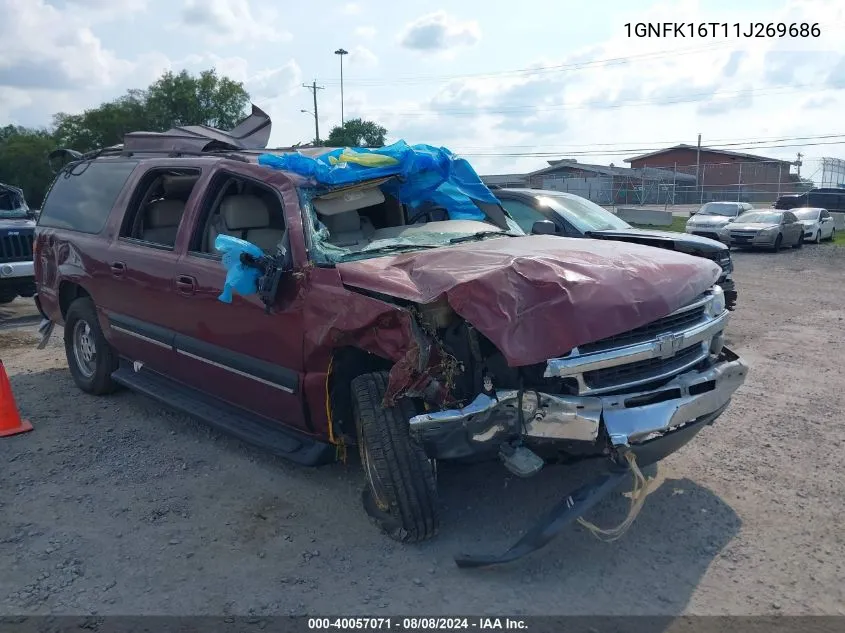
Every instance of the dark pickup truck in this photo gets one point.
(367, 322)
(17, 230)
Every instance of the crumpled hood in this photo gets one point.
(537, 297)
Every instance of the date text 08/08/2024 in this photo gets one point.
(417, 623)
(722, 29)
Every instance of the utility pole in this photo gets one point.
(698, 167)
(314, 88)
(340, 53)
(798, 164)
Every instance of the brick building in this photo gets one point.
(724, 175)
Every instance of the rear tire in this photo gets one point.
(90, 358)
(401, 493)
(7, 297)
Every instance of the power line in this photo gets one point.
(669, 100)
(723, 142)
(530, 70)
(636, 150)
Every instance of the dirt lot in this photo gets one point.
(118, 506)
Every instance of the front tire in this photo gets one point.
(7, 296)
(90, 358)
(778, 243)
(799, 242)
(401, 493)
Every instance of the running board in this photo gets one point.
(227, 418)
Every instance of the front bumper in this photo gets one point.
(19, 271)
(590, 423)
(757, 240)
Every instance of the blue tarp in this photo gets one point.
(429, 174)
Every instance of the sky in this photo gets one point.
(508, 85)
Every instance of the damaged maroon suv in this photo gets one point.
(415, 335)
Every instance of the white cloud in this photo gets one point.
(351, 8)
(363, 57)
(367, 32)
(233, 21)
(439, 31)
(53, 49)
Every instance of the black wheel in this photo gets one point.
(90, 358)
(401, 492)
(799, 242)
(7, 296)
(778, 243)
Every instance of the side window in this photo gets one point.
(241, 208)
(789, 218)
(824, 214)
(82, 195)
(523, 214)
(156, 209)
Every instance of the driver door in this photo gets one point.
(793, 230)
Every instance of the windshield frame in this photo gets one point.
(797, 212)
(558, 203)
(21, 212)
(760, 212)
(323, 254)
(737, 210)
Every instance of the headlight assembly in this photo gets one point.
(717, 303)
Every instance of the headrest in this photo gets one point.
(178, 186)
(244, 212)
(342, 222)
(163, 213)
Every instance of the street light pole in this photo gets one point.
(340, 53)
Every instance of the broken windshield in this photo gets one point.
(341, 234)
(12, 203)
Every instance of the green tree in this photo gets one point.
(23, 161)
(173, 100)
(357, 133)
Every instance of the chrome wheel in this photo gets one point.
(84, 348)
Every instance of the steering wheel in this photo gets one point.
(426, 211)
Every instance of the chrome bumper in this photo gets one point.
(15, 270)
(629, 419)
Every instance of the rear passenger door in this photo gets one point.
(236, 351)
(141, 263)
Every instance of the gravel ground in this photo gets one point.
(119, 506)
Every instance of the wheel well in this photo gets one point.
(347, 364)
(68, 293)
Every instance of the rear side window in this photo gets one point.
(82, 196)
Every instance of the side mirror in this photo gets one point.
(543, 227)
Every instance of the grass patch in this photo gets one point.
(678, 226)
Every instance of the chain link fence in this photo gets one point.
(756, 182)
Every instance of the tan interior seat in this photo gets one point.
(348, 228)
(161, 221)
(246, 217)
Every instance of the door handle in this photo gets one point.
(118, 268)
(186, 284)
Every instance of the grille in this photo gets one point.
(671, 323)
(16, 248)
(641, 371)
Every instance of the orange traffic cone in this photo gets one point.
(10, 420)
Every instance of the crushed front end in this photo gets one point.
(648, 390)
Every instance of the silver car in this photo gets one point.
(771, 229)
(712, 217)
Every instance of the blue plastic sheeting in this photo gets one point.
(429, 174)
(239, 278)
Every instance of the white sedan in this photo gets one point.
(818, 224)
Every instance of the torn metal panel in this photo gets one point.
(251, 133)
